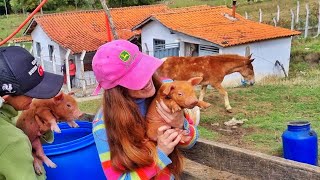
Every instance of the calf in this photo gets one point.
(42, 117)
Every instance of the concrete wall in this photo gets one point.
(250, 164)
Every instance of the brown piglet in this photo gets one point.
(177, 95)
(42, 117)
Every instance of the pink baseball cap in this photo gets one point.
(120, 62)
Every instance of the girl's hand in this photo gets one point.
(167, 139)
(173, 119)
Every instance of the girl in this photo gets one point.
(119, 127)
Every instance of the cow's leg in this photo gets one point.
(202, 92)
(223, 92)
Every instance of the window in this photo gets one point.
(38, 47)
(50, 47)
(208, 50)
(158, 44)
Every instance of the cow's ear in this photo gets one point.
(195, 80)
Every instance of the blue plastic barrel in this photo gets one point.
(75, 154)
(300, 143)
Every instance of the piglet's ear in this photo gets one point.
(58, 98)
(167, 89)
(195, 80)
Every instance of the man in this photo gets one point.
(72, 72)
(21, 80)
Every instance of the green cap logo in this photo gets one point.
(124, 56)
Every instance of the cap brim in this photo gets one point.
(139, 76)
(49, 86)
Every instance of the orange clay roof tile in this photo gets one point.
(21, 39)
(86, 30)
(215, 25)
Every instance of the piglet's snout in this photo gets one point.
(192, 102)
(77, 114)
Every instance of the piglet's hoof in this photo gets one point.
(73, 124)
(55, 128)
(49, 163)
(37, 168)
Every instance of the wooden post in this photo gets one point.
(82, 73)
(247, 52)
(67, 69)
(274, 21)
(5, 7)
(41, 60)
(307, 22)
(318, 32)
(147, 49)
(298, 10)
(54, 62)
(260, 15)
(278, 13)
(292, 19)
(246, 14)
(107, 11)
(41, 8)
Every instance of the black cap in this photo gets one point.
(21, 75)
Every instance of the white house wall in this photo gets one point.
(155, 30)
(265, 53)
(38, 35)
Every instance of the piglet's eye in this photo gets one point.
(180, 94)
(68, 105)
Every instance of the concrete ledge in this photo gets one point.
(250, 164)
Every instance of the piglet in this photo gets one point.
(42, 117)
(177, 95)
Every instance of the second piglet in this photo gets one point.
(42, 117)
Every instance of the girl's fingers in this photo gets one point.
(161, 129)
(164, 106)
(177, 140)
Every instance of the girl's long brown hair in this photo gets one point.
(126, 130)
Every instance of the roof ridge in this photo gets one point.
(97, 10)
(141, 6)
(190, 9)
(70, 12)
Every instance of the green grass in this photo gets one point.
(268, 106)
(8, 25)
(90, 107)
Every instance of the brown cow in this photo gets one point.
(213, 69)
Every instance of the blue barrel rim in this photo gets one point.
(66, 147)
(299, 123)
